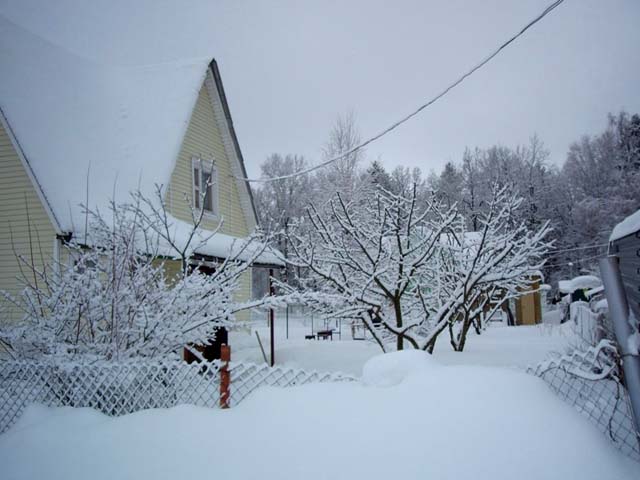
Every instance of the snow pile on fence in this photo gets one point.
(442, 423)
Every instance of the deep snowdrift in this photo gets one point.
(432, 422)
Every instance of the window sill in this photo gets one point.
(207, 215)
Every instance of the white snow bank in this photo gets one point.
(443, 423)
(629, 225)
(393, 368)
(601, 305)
(579, 283)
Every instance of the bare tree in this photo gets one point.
(407, 271)
(343, 175)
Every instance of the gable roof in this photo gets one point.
(95, 125)
(91, 131)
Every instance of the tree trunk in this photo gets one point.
(463, 334)
(398, 311)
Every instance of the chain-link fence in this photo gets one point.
(121, 388)
(591, 380)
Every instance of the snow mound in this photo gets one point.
(583, 282)
(393, 368)
(601, 306)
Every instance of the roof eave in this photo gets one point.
(227, 112)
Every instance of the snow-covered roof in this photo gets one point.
(594, 291)
(89, 129)
(629, 225)
(219, 245)
(579, 283)
(99, 99)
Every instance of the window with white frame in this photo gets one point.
(205, 192)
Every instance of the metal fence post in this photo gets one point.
(619, 312)
(272, 317)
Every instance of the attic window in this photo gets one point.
(204, 186)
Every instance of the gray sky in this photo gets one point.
(290, 68)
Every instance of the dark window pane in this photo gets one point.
(206, 186)
(208, 199)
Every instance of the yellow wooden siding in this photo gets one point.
(243, 294)
(17, 196)
(203, 140)
(172, 269)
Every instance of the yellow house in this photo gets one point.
(77, 130)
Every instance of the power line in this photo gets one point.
(578, 248)
(544, 13)
(573, 262)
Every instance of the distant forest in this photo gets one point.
(596, 187)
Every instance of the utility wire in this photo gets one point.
(578, 248)
(544, 13)
(573, 262)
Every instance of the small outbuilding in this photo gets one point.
(529, 305)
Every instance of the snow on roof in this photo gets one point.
(99, 99)
(219, 245)
(594, 291)
(579, 283)
(93, 131)
(629, 225)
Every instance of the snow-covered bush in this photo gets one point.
(114, 298)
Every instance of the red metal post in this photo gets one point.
(225, 376)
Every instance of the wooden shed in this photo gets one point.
(529, 305)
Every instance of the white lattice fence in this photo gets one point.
(590, 381)
(121, 388)
(246, 377)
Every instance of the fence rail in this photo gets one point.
(121, 388)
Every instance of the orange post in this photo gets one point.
(225, 376)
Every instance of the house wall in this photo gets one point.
(172, 270)
(24, 223)
(204, 140)
(244, 294)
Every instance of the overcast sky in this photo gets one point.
(290, 68)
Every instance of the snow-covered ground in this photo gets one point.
(498, 345)
(451, 415)
(409, 417)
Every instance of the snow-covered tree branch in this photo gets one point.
(114, 296)
(407, 269)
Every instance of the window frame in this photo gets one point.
(206, 166)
